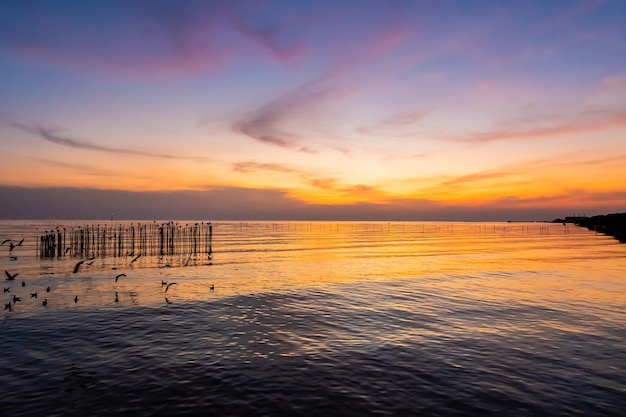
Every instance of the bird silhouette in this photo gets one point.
(135, 258)
(13, 258)
(11, 246)
(76, 299)
(20, 243)
(23, 284)
(48, 289)
(212, 287)
(6, 290)
(44, 302)
(167, 301)
(33, 294)
(119, 276)
(16, 299)
(116, 298)
(78, 264)
(163, 283)
(169, 285)
(11, 277)
(5, 241)
(7, 306)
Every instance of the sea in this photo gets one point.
(319, 319)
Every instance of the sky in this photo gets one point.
(312, 110)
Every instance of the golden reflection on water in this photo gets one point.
(521, 263)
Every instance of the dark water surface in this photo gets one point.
(312, 319)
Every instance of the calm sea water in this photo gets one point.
(319, 319)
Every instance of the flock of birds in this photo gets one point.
(14, 298)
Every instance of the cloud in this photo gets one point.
(50, 136)
(303, 104)
(585, 122)
(249, 167)
(235, 203)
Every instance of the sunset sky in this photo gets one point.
(382, 110)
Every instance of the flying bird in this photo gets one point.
(33, 294)
(48, 289)
(5, 241)
(135, 258)
(44, 302)
(14, 258)
(212, 287)
(6, 290)
(78, 264)
(11, 277)
(7, 306)
(23, 284)
(11, 246)
(76, 299)
(20, 243)
(119, 276)
(116, 298)
(169, 285)
(16, 299)
(163, 283)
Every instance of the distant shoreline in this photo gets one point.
(613, 224)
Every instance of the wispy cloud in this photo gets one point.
(526, 129)
(52, 137)
(251, 167)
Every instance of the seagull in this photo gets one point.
(78, 264)
(33, 294)
(116, 299)
(11, 277)
(76, 299)
(5, 241)
(23, 284)
(16, 299)
(135, 258)
(48, 289)
(44, 302)
(163, 283)
(119, 276)
(6, 290)
(7, 306)
(212, 287)
(20, 244)
(169, 285)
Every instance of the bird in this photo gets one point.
(78, 264)
(76, 299)
(119, 276)
(11, 246)
(16, 299)
(167, 301)
(11, 277)
(169, 285)
(33, 294)
(135, 258)
(163, 283)
(7, 306)
(6, 290)
(44, 302)
(20, 243)
(23, 284)
(116, 298)
(14, 258)
(5, 241)
(48, 289)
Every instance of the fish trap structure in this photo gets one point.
(146, 239)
